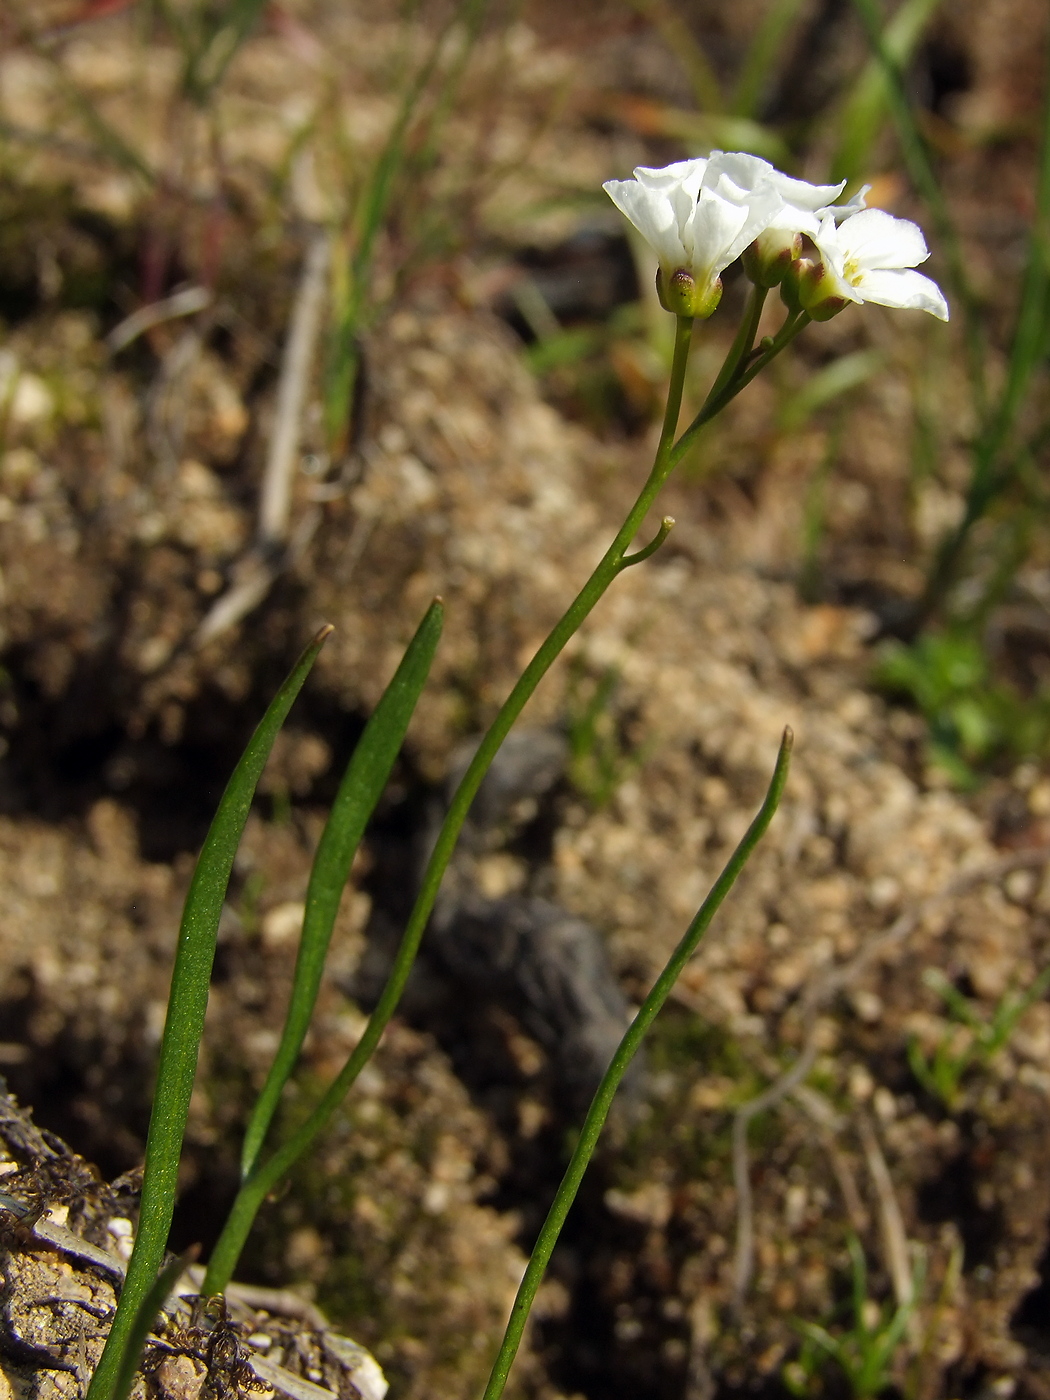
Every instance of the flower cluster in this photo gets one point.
(700, 215)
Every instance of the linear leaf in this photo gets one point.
(184, 1025)
(362, 785)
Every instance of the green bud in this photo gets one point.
(817, 292)
(766, 261)
(680, 295)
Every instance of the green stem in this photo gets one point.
(742, 342)
(602, 1101)
(722, 393)
(265, 1175)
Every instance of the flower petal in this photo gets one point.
(713, 230)
(653, 216)
(751, 173)
(682, 172)
(874, 238)
(904, 289)
(852, 206)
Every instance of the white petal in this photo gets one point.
(751, 173)
(904, 289)
(653, 216)
(763, 206)
(852, 206)
(714, 228)
(743, 172)
(829, 241)
(791, 219)
(802, 194)
(685, 174)
(874, 239)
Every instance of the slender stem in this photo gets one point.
(265, 1175)
(742, 342)
(647, 551)
(602, 1101)
(683, 336)
(746, 371)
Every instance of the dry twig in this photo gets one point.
(277, 546)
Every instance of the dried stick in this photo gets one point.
(818, 994)
(894, 1236)
(185, 303)
(276, 495)
(276, 546)
(829, 1124)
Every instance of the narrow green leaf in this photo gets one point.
(838, 377)
(866, 110)
(362, 785)
(184, 1025)
(613, 1077)
(762, 57)
(144, 1320)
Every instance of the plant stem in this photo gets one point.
(265, 1175)
(625, 1052)
(722, 392)
(742, 342)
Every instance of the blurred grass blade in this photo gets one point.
(1033, 319)
(865, 112)
(705, 131)
(990, 474)
(683, 43)
(145, 1318)
(766, 47)
(921, 172)
(363, 782)
(349, 291)
(838, 377)
(184, 1025)
(225, 32)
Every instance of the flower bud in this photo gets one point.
(818, 291)
(768, 258)
(680, 294)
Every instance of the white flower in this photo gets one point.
(870, 256)
(699, 216)
(752, 174)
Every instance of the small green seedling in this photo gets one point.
(942, 1073)
(599, 760)
(866, 1352)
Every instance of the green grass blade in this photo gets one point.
(144, 1320)
(1030, 332)
(613, 1077)
(184, 1025)
(678, 35)
(220, 38)
(862, 118)
(824, 385)
(923, 176)
(362, 785)
(762, 57)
